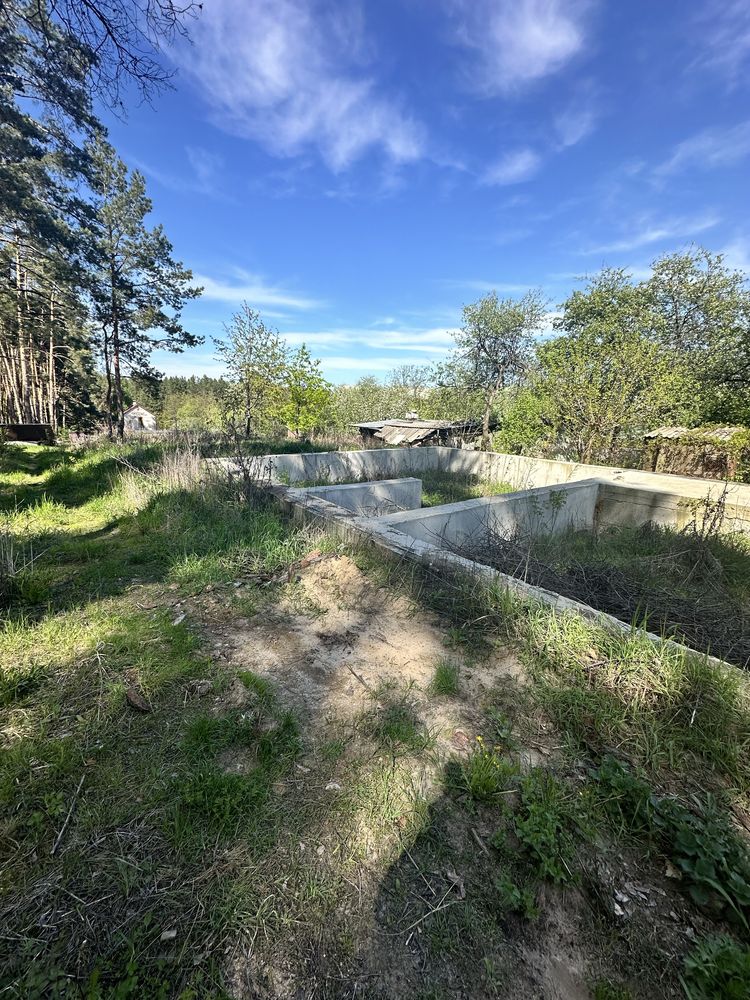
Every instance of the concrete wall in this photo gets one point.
(523, 474)
(545, 511)
(635, 506)
(339, 466)
(385, 496)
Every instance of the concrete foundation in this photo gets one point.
(549, 497)
(542, 511)
(521, 472)
(385, 496)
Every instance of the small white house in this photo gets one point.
(138, 418)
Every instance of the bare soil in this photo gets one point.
(397, 875)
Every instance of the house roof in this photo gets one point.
(137, 406)
(712, 433)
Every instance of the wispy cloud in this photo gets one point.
(432, 341)
(649, 231)
(578, 120)
(714, 147)
(243, 286)
(200, 177)
(737, 255)
(513, 167)
(289, 74)
(480, 285)
(516, 42)
(206, 165)
(723, 33)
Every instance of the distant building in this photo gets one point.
(138, 418)
(409, 431)
(708, 452)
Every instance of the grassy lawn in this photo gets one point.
(100, 801)
(225, 774)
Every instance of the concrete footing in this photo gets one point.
(549, 497)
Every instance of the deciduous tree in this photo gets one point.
(495, 347)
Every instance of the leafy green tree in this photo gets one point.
(138, 289)
(256, 359)
(408, 389)
(494, 348)
(606, 380)
(306, 393)
(702, 312)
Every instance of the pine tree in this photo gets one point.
(138, 289)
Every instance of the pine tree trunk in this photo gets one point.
(119, 403)
(51, 401)
(24, 414)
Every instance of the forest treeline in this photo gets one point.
(89, 287)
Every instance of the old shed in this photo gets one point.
(708, 452)
(138, 418)
(408, 431)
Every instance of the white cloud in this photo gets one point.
(723, 33)
(513, 168)
(380, 365)
(288, 74)
(714, 147)
(253, 289)
(737, 255)
(479, 285)
(435, 340)
(516, 42)
(202, 179)
(649, 231)
(206, 165)
(575, 123)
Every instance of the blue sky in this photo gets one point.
(359, 171)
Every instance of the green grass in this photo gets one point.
(445, 680)
(437, 487)
(395, 724)
(213, 824)
(127, 799)
(451, 487)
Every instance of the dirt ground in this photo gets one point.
(397, 875)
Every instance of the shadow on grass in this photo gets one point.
(161, 858)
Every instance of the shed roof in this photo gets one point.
(712, 433)
(412, 431)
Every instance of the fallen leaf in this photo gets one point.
(671, 872)
(136, 700)
(460, 739)
(457, 881)
(200, 688)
